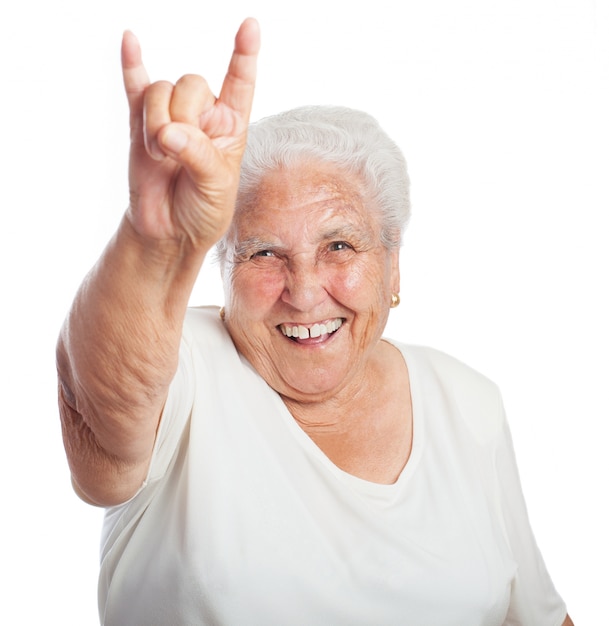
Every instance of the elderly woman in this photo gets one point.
(278, 461)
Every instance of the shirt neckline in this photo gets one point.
(379, 492)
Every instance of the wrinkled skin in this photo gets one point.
(305, 251)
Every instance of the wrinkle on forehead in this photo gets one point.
(305, 180)
(316, 188)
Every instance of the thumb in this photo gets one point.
(174, 139)
(190, 148)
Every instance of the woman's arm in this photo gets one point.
(567, 622)
(117, 351)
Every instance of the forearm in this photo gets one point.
(117, 354)
(118, 349)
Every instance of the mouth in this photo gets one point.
(311, 333)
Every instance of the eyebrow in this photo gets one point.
(347, 232)
(246, 248)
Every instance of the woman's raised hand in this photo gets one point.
(186, 145)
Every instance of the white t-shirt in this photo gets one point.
(244, 521)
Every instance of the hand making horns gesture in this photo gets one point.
(186, 145)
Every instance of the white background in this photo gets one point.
(501, 107)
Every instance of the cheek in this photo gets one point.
(362, 283)
(253, 290)
(352, 284)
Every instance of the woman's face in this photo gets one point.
(307, 281)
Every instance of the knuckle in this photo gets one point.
(190, 97)
(157, 96)
(160, 87)
(192, 82)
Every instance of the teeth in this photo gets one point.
(317, 330)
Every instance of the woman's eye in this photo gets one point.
(337, 246)
(263, 253)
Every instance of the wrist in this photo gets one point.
(163, 255)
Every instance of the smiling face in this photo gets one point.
(307, 282)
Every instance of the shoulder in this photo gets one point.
(476, 398)
(452, 370)
(208, 349)
(203, 318)
(203, 327)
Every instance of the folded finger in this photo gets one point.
(191, 98)
(157, 101)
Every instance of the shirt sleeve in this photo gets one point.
(120, 520)
(534, 600)
(175, 415)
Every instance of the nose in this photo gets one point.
(304, 285)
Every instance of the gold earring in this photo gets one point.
(222, 313)
(395, 300)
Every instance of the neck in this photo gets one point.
(367, 429)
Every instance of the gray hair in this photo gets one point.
(350, 139)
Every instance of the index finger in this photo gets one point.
(238, 86)
(135, 76)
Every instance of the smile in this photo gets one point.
(298, 331)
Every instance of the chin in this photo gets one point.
(310, 387)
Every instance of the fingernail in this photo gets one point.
(174, 140)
